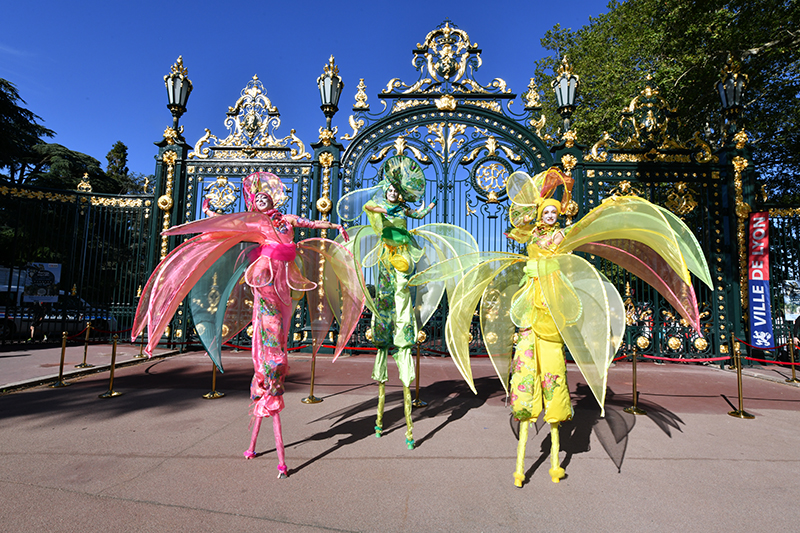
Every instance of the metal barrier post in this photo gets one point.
(634, 409)
(60, 382)
(791, 360)
(213, 395)
(86, 347)
(311, 398)
(111, 392)
(141, 349)
(740, 413)
(421, 336)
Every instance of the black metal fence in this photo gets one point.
(94, 247)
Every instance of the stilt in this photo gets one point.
(519, 473)
(409, 423)
(251, 451)
(556, 472)
(381, 403)
(276, 427)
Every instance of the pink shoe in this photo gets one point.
(249, 455)
(283, 472)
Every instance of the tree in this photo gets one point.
(19, 130)
(684, 46)
(55, 166)
(118, 173)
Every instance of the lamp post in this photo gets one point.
(179, 87)
(330, 89)
(566, 87)
(731, 90)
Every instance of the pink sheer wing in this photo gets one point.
(339, 295)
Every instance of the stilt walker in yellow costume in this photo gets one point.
(394, 253)
(554, 298)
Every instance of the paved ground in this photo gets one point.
(159, 457)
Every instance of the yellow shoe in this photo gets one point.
(556, 474)
(518, 479)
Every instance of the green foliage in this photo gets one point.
(684, 46)
(19, 129)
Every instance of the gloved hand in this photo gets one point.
(395, 210)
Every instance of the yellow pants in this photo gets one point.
(539, 380)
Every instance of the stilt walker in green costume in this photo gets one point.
(556, 299)
(395, 254)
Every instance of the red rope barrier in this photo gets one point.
(769, 361)
(693, 360)
(762, 349)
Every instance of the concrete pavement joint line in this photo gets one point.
(163, 460)
(185, 507)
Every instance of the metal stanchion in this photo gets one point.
(60, 382)
(791, 360)
(111, 392)
(85, 348)
(213, 395)
(141, 355)
(634, 409)
(740, 413)
(311, 398)
(421, 336)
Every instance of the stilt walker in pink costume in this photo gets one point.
(272, 268)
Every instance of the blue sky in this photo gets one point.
(93, 71)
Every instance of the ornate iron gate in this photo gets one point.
(469, 141)
(100, 242)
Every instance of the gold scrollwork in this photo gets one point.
(356, 125)
(642, 342)
(252, 122)
(742, 213)
(531, 96)
(84, 185)
(491, 176)
(569, 162)
(446, 142)
(625, 188)
(700, 344)
(674, 343)
(445, 103)
(361, 96)
(681, 200)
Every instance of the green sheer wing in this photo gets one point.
(648, 242)
(440, 243)
(497, 327)
(467, 294)
(219, 303)
(588, 312)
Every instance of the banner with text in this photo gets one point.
(761, 335)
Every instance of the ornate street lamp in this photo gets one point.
(731, 91)
(566, 87)
(179, 87)
(330, 89)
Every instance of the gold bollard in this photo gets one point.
(634, 409)
(60, 382)
(85, 348)
(421, 336)
(311, 398)
(111, 392)
(141, 349)
(740, 413)
(213, 395)
(791, 359)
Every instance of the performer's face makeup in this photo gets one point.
(550, 215)
(391, 194)
(262, 201)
